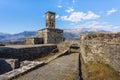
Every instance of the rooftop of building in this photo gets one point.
(50, 12)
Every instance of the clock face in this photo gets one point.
(52, 17)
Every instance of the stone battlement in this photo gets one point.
(103, 48)
(102, 37)
(26, 52)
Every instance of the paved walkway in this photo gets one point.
(62, 68)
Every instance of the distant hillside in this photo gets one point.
(75, 33)
(17, 37)
(68, 34)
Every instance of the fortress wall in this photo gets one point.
(100, 51)
(43, 34)
(55, 36)
(26, 52)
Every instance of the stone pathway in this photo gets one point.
(62, 68)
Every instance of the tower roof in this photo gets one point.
(50, 12)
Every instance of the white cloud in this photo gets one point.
(95, 25)
(59, 6)
(57, 16)
(111, 11)
(69, 10)
(91, 25)
(79, 16)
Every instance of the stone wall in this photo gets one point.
(98, 50)
(43, 34)
(55, 36)
(51, 35)
(33, 65)
(33, 41)
(26, 52)
(102, 37)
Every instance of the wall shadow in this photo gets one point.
(4, 67)
(80, 69)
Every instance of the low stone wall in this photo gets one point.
(33, 65)
(99, 51)
(33, 41)
(26, 52)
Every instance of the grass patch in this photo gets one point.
(45, 57)
(99, 71)
(74, 50)
(84, 69)
(61, 47)
(102, 72)
(66, 44)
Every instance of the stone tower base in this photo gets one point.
(51, 36)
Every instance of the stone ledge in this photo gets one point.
(17, 72)
(26, 52)
(25, 46)
(33, 65)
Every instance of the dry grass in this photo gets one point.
(61, 47)
(66, 44)
(70, 75)
(102, 72)
(74, 50)
(99, 71)
(45, 57)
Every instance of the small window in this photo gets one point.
(46, 24)
(52, 24)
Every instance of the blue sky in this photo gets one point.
(29, 15)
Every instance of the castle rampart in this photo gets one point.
(103, 49)
(26, 52)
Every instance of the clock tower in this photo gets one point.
(50, 34)
(50, 20)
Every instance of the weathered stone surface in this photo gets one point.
(103, 48)
(7, 65)
(62, 68)
(51, 35)
(33, 41)
(26, 52)
(50, 19)
(103, 37)
(10, 75)
(28, 66)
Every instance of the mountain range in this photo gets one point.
(5, 37)
(68, 34)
